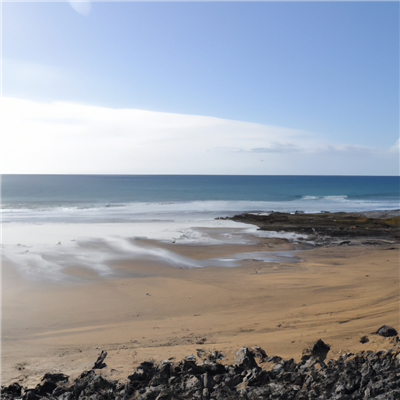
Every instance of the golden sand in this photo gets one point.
(156, 311)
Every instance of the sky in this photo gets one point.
(295, 88)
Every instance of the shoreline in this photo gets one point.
(158, 311)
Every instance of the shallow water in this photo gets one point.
(50, 222)
(43, 251)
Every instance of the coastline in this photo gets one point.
(154, 310)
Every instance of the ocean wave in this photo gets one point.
(140, 211)
(321, 198)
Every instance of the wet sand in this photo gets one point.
(152, 310)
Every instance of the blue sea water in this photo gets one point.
(156, 188)
(50, 222)
(199, 193)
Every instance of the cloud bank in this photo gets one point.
(72, 138)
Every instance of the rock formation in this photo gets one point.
(365, 375)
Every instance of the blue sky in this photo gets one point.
(318, 81)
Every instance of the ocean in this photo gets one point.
(50, 222)
(198, 193)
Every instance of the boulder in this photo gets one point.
(245, 359)
(320, 350)
(386, 331)
(258, 352)
(13, 390)
(46, 387)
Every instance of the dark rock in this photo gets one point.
(208, 381)
(55, 378)
(278, 369)
(13, 389)
(31, 394)
(386, 331)
(245, 359)
(89, 384)
(213, 368)
(258, 352)
(191, 367)
(49, 385)
(58, 391)
(362, 376)
(81, 382)
(320, 350)
(194, 383)
(232, 381)
(274, 359)
(99, 364)
(161, 375)
(45, 388)
(139, 375)
(364, 339)
(209, 356)
(330, 226)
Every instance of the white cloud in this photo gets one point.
(82, 7)
(62, 137)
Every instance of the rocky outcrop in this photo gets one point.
(333, 225)
(364, 375)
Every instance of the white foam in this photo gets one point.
(260, 213)
(130, 212)
(291, 236)
(190, 235)
(93, 237)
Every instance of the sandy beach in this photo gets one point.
(155, 311)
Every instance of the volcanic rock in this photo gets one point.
(365, 375)
(386, 331)
(320, 350)
(245, 359)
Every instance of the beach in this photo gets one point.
(200, 200)
(157, 267)
(150, 309)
